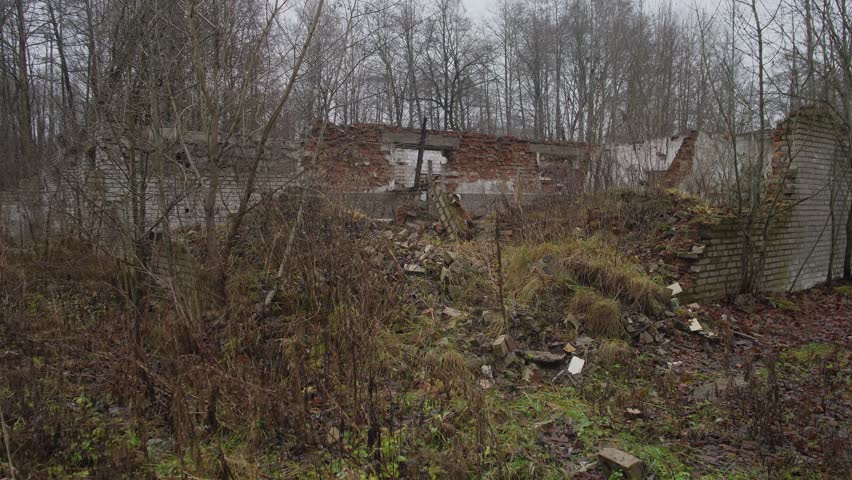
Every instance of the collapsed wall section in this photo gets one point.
(799, 237)
(369, 158)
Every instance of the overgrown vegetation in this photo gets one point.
(355, 370)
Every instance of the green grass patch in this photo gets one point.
(809, 353)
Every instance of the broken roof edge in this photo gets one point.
(455, 134)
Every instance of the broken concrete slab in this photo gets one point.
(502, 346)
(544, 357)
(675, 288)
(695, 325)
(615, 460)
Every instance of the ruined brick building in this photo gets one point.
(160, 178)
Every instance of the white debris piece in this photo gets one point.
(452, 312)
(414, 268)
(675, 288)
(576, 365)
(695, 325)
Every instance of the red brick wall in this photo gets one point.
(682, 163)
(355, 159)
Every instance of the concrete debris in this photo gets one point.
(487, 373)
(646, 338)
(571, 319)
(508, 361)
(528, 373)
(414, 268)
(698, 249)
(695, 325)
(502, 346)
(543, 357)
(333, 435)
(453, 217)
(492, 316)
(711, 390)
(576, 365)
(615, 460)
(675, 288)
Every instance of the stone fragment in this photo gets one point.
(646, 338)
(452, 312)
(675, 288)
(508, 361)
(695, 325)
(576, 365)
(414, 268)
(543, 357)
(501, 346)
(333, 435)
(487, 373)
(615, 460)
(698, 249)
(710, 391)
(528, 373)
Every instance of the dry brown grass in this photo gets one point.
(600, 316)
(533, 270)
(614, 352)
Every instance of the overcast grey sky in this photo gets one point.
(482, 8)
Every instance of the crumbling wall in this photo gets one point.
(166, 178)
(683, 162)
(379, 158)
(803, 240)
(644, 163)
